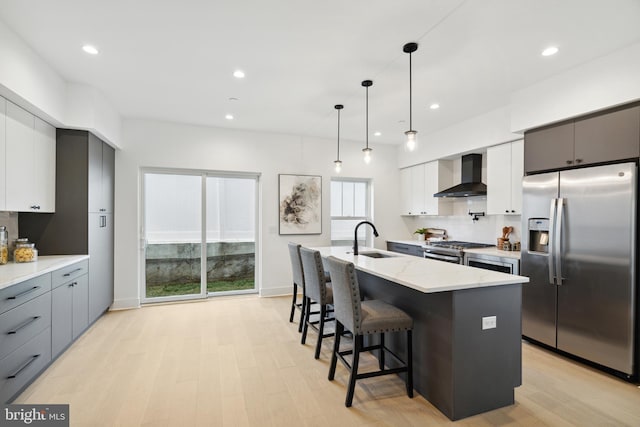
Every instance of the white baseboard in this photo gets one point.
(125, 304)
(276, 292)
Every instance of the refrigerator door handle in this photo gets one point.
(552, 227)
(558, 241)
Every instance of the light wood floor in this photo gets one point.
(237, 361)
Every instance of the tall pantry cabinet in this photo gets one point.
(83, 222)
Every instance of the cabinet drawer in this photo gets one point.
(18, 294)
(69, 273)
(21, 366)
(19, 325)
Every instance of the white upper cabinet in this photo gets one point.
(30, 162)
(419, 184)
(505, 169)
(3, 154)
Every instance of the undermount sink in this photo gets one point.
(376, 255)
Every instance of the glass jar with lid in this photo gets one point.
(4, 245)
(25, 251)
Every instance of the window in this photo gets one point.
(350, 204)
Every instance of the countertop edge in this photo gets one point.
(12, 273)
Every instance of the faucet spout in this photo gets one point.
(355, 235)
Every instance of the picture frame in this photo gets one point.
(299, 204)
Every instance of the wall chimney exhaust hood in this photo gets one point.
(471, 184)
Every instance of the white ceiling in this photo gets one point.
(173, 60)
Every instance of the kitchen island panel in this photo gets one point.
(458, 367)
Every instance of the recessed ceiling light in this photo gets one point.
(551, 50)
(238, 74)
(434, 106)
(233, 99)
(90, 49)
(229, 117)
(400, 121)
(377, 133)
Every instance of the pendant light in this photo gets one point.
(338, 162)
(412, 135)
(367, 151)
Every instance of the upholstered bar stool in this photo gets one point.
(316, 290)
(364, 318)
(298, 281)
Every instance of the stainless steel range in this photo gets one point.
(450, 250)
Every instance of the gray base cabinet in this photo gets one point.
(39, 318)
(69, 305)
(405, 248)
(25, 333)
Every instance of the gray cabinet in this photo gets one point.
(25, 334)
(549, 148)
(598, 138)
(69, 305)
(611, 136)
(83, 222)
(405, 248)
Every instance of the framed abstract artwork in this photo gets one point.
(300, 204)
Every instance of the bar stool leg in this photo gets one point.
(307, 303)
(336, 348)
(381, 355)
(304, 310)
(357, 346)
(293, 302)
(323, 313)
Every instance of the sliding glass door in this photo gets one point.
(191, 216)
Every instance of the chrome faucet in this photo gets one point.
(355, 235)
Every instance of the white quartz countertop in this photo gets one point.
(13, 273)
(495, 252)
(424, 275)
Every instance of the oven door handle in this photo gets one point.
(428, 254)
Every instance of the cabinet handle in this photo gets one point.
(513, 211)
(71, 272)
(71, 285)
(569, 162)
(24, 325)
(35, 207)
(102, 210)
(506, 210)
(23, 367)
(578, 161)
(21, 294)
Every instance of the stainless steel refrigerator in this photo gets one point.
(578, 249)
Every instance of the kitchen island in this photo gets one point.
(467, 355)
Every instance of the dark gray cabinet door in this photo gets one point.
(61, 317)
(100, 264)
(94, 157)
(80, 306)
(611, 136)
(549, 148)
(108, 174)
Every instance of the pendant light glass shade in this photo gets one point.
(367, 151)
(337, 162)
(411, 141)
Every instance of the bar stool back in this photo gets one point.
(298, 281)
(316, 290)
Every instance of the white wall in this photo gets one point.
(28, 81)
(161, 144)
(605, 82)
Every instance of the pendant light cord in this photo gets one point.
(367, 118)
(338, 134)
(410, 96)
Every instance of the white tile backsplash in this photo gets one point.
(460, 225)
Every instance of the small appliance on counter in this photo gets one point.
(25, 251)
(4, 245)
